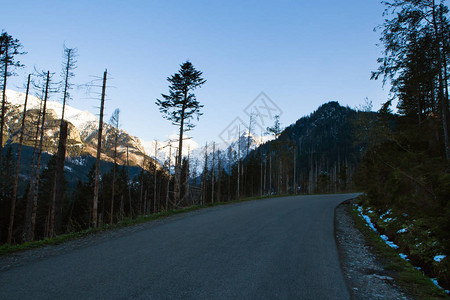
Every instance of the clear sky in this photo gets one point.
(300, 53)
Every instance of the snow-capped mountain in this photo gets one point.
(229, 151)
(166, 149)
(83, 129)
(80, 119)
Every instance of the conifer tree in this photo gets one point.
(180, 106)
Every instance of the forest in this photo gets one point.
(53, 182)
(405, 169)
(399, 156)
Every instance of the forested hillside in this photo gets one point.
(317, 154)
(405, 170)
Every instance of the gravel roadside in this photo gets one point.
(363, 270)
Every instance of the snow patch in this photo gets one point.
(439, 258)
(80, 119)
(403, 256)
(367, 219)
(388, 242)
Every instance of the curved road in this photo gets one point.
(280, 248)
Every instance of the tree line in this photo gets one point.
(406, 166)
(315, 155)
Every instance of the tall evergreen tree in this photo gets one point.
(180, 106)
(416, 56)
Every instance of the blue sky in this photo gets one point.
(300, 53)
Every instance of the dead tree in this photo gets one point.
(239, 164)
(58, 184)
(154, 183)
(99, 150)
(39, 154)
(16, 178)
(213, 171)
(129, 188)
(205, 175)
(29, 196)
(115, 123)
(168, 179)
(219, 170)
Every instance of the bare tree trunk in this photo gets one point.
(29, 207)
(265, 173)
(141, 203)
(186, 196)
(129, 188)
(219, 170)
(168, 179)
(154, 184)
(294, 180)
(205, 175)
(239, 164)
(121, 208)
(58, 190)
(229, 175)
(270, 173)
(2, 116)
(279, 176)
(213, 172)
(178, 159)
(36, 181)
(113, 192)
(99, 150)
(441, 95)
(261, 184)
(16, 178)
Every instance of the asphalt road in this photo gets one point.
(281, 248)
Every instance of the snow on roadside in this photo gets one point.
(437, 258)
(368, 221)
(388, 242)
(404, 230)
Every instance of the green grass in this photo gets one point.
(411, 280)
(8, 249)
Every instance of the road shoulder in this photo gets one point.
(363, 270)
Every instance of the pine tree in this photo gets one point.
(416, 55)
(180, 106)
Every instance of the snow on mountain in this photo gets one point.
(171, 145)
(229, 150)
(80, 119)
(87, 125)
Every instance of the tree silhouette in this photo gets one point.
(180, 106)
(9, 48)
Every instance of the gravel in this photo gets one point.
(363, 270)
